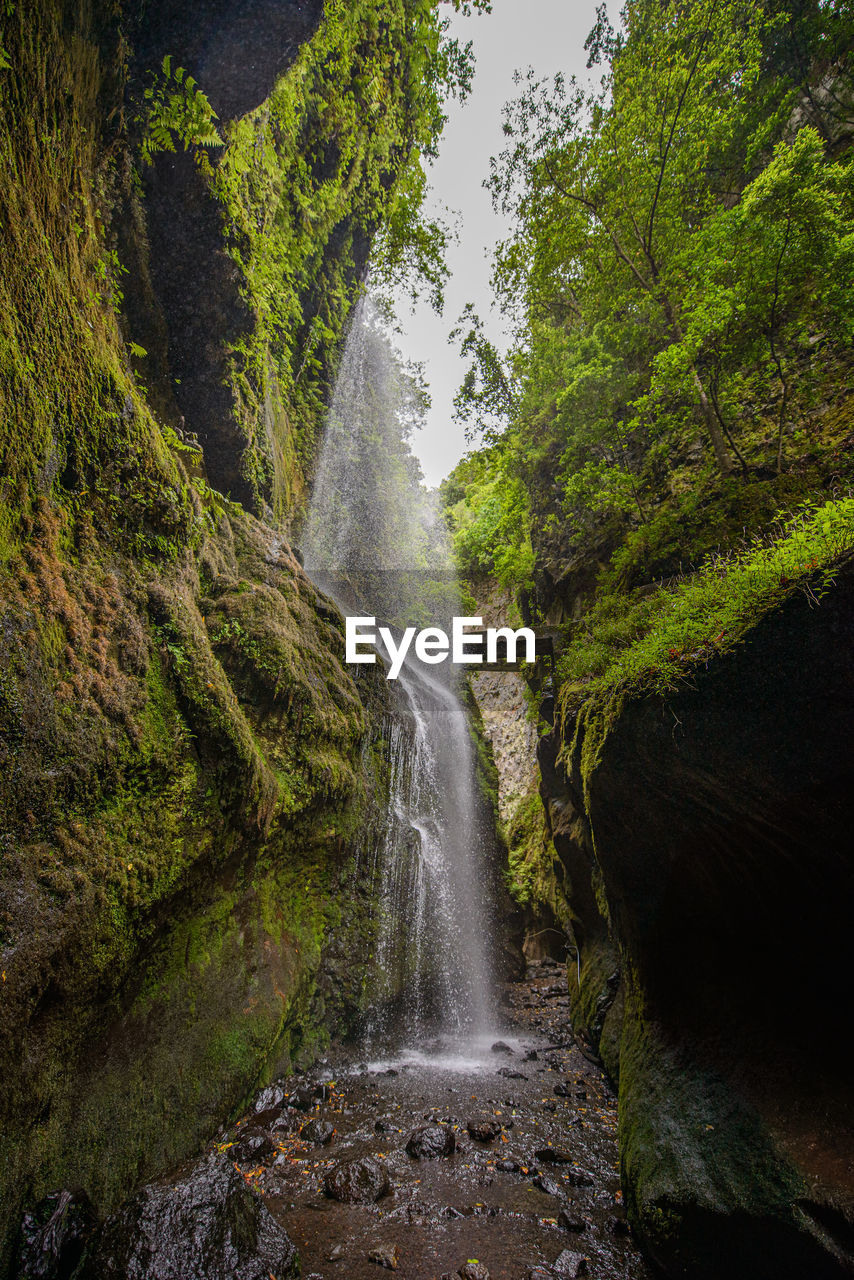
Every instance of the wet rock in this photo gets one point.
(357, 1181)
(563, 1091)
(540, 1273)
(336, 1253)
(620, 1227)
(531, 1056)
(391, 1072)
(385, 1126)
(580, 1178)
(54, 1235)
(509, 1165)
(270, 1099)
(483, 1130)
(501, 1047)
(571, 1222)
(554, 1155)
(431, 1141)
(510, 1074)
(302, 1098)
(547, 1184)
(318, 1132)
(569, 1265)
(549, 1105)
(204, 1221)
(387, 1256)
(252, 1147)
(473, 1271)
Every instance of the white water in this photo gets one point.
(374, 542)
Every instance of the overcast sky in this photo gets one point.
(548, 35)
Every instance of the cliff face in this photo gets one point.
(187, 767)
(706, 838)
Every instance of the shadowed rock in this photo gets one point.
(205, 1222)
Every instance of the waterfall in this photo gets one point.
(374, 540)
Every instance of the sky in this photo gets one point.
(548, 35)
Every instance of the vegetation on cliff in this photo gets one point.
(186, 764)
(679, 279)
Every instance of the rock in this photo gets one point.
(563, 1091)
(580, 1178)
(531, 1056)
(508, 1165)
(554, 1155)
(570, 1265)
(204, 1221)
(302, 1098)
(269, 1099)
(336, 1253)
(431, 1141)
(620, 1227)
(53, 1236)
(483, 1130)
(570, 1222)
(253, 1146)
(501, 1047)
(357, 1181)
(549, 1105)
(385, 1126)
(391, 1072)
(510, 1074)
(387, 1256)
(547, 1184)
(318, 1132)
(473, 1271)
(540, 1273)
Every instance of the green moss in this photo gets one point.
(305, 181)
(651, 642)
(532, 861)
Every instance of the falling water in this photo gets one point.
(375, 542)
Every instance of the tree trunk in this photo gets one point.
(712, 426)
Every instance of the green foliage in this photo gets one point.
(486, 510)
(333, 160)
(652, 640)
(176, 110)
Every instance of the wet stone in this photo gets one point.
(318, 1132)
(302, 1098)
(473, 1271)
(510, 1074)
(483, 1130)
(569, 1265)
(253, 1147)
(501, 1047)
(571, 1222)
(270, 1099)
(357, 1181)
(547, 1184)
(203, 1222)
(554, 1155)
(431, 1141)
(387, 1256)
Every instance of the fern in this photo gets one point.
(177, 112)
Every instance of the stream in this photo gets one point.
(543, 1189)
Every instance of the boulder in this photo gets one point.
(483, 1130)
(357, 1181)
(431, 1141)
(203, 1222)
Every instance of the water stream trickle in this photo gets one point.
(375, 542)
